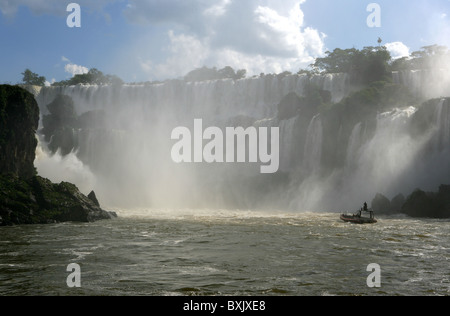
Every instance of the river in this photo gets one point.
(226, 253)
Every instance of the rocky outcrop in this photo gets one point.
(93, 198)
(428, 204)
(397, 203)
(19, 119)
(419, 204)
(381, 204)
(26, 198)
(39, 201)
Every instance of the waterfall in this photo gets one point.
(127, 157)
(353, 146)
(442, 119)
(425, 84)
(313, 146)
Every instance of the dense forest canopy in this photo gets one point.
(94, 76)
(205, 73)
(364, 66)
(367, 65)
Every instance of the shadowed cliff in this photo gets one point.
(26, 198)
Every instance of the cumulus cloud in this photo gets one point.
(72, 68)
(75, 69)
(260, 36)
(240, 34)
(398, 50)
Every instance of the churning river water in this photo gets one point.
(221, 253)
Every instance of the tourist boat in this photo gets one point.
(359, 219)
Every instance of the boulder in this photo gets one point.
(93, 198)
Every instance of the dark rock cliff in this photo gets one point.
(26, 198)
(19, 119)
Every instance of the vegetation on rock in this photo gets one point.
(26, 198)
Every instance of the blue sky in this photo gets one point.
(141, 40)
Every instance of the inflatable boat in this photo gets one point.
(359, 219)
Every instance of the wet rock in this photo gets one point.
(19, 118)
(26, 198)
(93, 198)
(428, 204)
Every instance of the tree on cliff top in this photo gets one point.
(94, 76)
(31, 78)
(368, 65)
(205, 73)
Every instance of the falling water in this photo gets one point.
(313, 147)
(129, 155)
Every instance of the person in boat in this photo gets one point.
(365, 207)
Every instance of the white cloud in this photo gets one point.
(240, 34)
(75, 69)
(72, 68)
(260, 36)
(186, 53)
(398, 50)
(218, 9)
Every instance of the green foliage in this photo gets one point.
(31, 78)
(364, 66)
(94, 77)
(205, 74)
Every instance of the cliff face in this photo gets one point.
(19, 119)
(26, 198)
